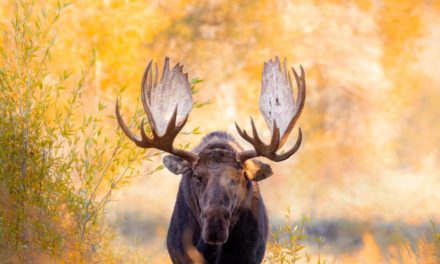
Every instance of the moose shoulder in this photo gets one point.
(219, 214)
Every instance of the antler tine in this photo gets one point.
(239, 130)
(124, 126)
(150, 90)
(275, 140)
(171, 127)
(301, 90)
(300, 100)
(268, 151)
(171, 133)
(143, 134)
(292, 151)
(155, 75)
(166, 69)
(150, 81)
(144, 87)
(280, 109)
(243, 133)
(146, 95)
(255, 136)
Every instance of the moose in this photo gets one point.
(219, 215)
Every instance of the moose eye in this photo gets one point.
(233, 182)
(197, 178)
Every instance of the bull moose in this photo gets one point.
(219, 215)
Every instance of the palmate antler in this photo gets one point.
(280, 110)
(170, 100)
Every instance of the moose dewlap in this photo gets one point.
(219, 214)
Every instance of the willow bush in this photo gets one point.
(58, 169)
(286, 244)
(435, 242)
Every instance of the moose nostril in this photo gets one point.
(213, 236)
(226, 214)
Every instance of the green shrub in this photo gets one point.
(435, 242)
(58, 166)
(286, 242)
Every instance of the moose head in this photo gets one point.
(220, 173)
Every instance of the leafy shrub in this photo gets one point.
(435, 242)
(58, 166)
(286, 242)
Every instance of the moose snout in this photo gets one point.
(215, 226)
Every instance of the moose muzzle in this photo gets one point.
(215, 225)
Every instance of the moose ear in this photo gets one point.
(176, 164)
(257, 170)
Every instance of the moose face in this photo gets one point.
(220, 185)
(220, 177)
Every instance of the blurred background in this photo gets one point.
(367, 171)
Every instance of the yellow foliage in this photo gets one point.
(371, 116)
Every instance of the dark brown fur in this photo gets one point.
(219, 214)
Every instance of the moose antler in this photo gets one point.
(171, 97)
(280, 110)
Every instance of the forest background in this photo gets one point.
(74, 189)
